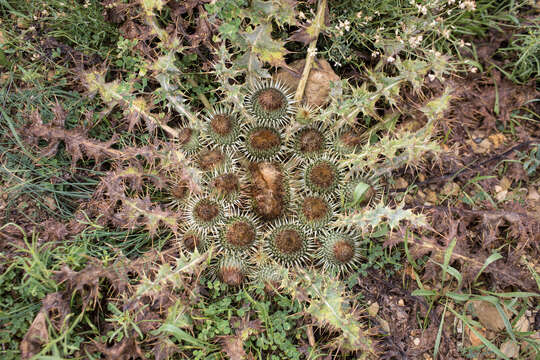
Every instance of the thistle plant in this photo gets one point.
(268, 180)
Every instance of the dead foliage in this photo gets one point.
(54, 309)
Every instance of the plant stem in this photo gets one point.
(318, 23)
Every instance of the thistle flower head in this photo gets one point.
(340, 251)
(204, 214)
(189, 140)
(308, 143)
(192, 239)
(238, 234)
(231, 269)
(262, 143)
(222, 128)
(315, 211)
(288, 244)
(322, 176)
(270, 102)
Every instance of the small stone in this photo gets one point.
(451, 189)
(401, 302)
(416, 341)
(373, 309)
(510, 349)
(522, 324)
(475, 340)
(488, 315)
(431, 196)
(384, 325)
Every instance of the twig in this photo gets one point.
(469, 167)
(318, 23)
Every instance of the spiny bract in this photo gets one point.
(270, 193)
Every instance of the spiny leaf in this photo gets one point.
(327, 303)
(262, 45)
(370, 218)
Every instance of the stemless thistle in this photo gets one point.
(229, 184)
(189, 140)
(192, 239)
(346, 141)
(222, 129)
(270, 276)
(288, 244)
(361, 191)
(340, 251)
(270, 102)
(314, 212)
(322, 176)
(204, 214)
(262, 143)
(308, 143)
(238, 234)
(231, 270)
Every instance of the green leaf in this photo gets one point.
(423, 292)
(262, 45)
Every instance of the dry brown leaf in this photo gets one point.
(317, 89)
